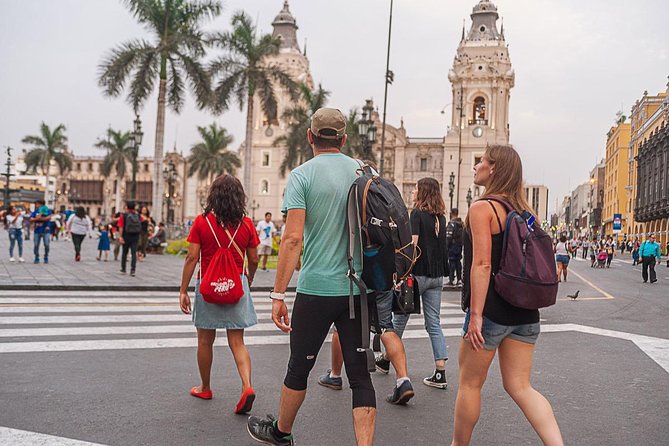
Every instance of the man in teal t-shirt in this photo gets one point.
(315, 202)
(648, 252)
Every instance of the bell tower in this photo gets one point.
(481, 80)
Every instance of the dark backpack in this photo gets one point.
(378, 218)
(131, 223)
(526, 277)
(454, 233)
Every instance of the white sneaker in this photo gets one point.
(12, 259)
(21, 260)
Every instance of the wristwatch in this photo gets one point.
(277, 296)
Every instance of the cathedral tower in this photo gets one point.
(481, 80)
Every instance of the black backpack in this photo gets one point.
(454, 233)
(131, 223)
(378, 218)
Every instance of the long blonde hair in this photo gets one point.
(508, 178)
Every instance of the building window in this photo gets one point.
(78, 167)
(479, 111)
(265, 158)
(146, 167)
(423, 164)
(90, 167)
(264, 187)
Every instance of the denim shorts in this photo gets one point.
(384, 309)
(494, 334)
(562, 259)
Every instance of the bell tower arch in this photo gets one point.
(481, 81)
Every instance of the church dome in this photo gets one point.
(284, 17)
(485, 6)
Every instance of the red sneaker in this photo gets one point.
(205, 395)
(245, 401)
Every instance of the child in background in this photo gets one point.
(103, 243)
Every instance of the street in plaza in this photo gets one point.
(115, 366)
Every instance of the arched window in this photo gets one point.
(479, 115)
(264, 187)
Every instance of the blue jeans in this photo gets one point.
(44, 237)
(430, 295)
(15, 237)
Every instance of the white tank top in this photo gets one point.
(561, 249)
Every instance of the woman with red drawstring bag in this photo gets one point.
(219, 239)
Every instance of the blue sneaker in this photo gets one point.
(46, 260)
(402, 394)
(329, 382)
(36, 260)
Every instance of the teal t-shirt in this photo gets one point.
(320, 187)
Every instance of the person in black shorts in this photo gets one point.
(315, 202)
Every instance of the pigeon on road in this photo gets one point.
(575, 295)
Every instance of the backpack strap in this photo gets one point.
(499, 222)
(232, 237)
(352, 223)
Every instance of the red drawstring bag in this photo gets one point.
(221, 282)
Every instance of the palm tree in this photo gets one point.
(298, 117)
(119, 146)
(48, 146)
(244, 72)
(210, 157)
(354, 144)
(172, 57)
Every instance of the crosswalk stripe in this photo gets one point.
(160, 329)
(85, 319)
(130, 344)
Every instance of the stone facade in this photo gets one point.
(650, 165)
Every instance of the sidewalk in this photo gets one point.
(155, 273)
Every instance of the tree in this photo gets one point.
(119, 146)
(243, 71)
(210, 157)
(354, 143)
(48, 146)
(171, 57)
(298, 118)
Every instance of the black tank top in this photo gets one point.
(496, 309)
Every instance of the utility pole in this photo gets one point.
(8, 174)
(390, 77)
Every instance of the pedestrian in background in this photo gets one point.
(592, 251)
(130, 227)
(103, 242)
(14, 219)
(41, 218)
(78, 226)
(666, 252)
(224, 215)
(635, 252)
(146, 222)
(610, 251)
(266, 232)
(428, 227)
(491, 323)
(649, 251)
(562, 258)
(454, 232)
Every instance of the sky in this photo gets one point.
(577, 63)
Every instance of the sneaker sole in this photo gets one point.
(256, 438)
(329, 386)
(404, 398)
(384, 371)
(436, 385)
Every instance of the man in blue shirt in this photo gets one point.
(41, 218)
(648, 251)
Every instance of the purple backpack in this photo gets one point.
(527, 276)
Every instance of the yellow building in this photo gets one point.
(648, 198)
(616, 177)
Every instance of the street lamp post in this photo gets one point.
(469, 197)
(451, 188)
(254, 206)
(8, 174)
(170, 175)
(366, 127)
(136, 142)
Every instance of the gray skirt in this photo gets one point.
(235, 316)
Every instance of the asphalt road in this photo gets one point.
(115, 369)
